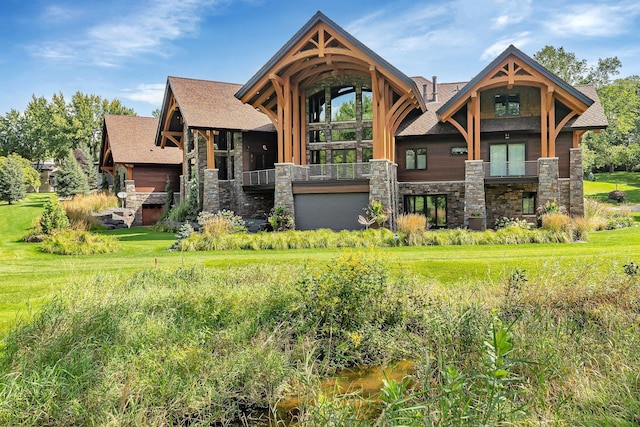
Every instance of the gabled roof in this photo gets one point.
(211, 105)
(131, 140)
(512, 50)
(428, 123)
(316, 19)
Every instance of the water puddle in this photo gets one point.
(365, 382)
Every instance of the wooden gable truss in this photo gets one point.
(172, 116)
(320, 52)
(508, 73)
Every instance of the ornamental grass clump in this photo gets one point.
(80, 208)
(79, 242)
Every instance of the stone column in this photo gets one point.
(181, 193)
(383, 187)
(211, 191)
(474, 197)
(283, 195)
(131, 202)
(548, 188)
(576, 185)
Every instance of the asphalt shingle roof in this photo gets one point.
(212, 105)
(132, 140)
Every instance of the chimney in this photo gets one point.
(435, 89)
(424, 93)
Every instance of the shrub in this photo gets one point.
(79, 242)
(506, 222)
(234, 223)
(617, 196)
(556, 222)
(411, 223)
(280, 219)
(602, 216)
(53, 217)
(179, 212)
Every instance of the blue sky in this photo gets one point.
(125, 49)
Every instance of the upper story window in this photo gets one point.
(507, 105)
(416, 158)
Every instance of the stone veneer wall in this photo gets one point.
(283, 195)
(576, 190)
(136, 200)
(383, 187)
(474, 201)
(548, 189)
(455, 197)
(564, 193)
(211, 191)
(227, 196)
(505, 200)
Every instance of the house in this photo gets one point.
(221, 139)
(327, 125)
(131, 163)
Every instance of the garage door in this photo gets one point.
(337, 211)
(151, 214)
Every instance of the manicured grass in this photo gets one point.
(629, 182)
(27, 276)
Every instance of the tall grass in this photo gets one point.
(79, 241)
(187, 347)
(80, 207)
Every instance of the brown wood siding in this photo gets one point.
(563, 143)
(153, 178)
(529, 101)
(441, 164)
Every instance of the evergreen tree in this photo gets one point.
(54, 217)
(12, 186)
(70, 179)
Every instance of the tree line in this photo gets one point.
(618, 146)
(68, 132)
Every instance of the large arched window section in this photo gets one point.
(340, 111)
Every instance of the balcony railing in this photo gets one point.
(337, 171)
(517, 169)
(259, 177)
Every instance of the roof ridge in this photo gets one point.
(203, 80)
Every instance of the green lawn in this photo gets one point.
(28, 276)
(628, 182)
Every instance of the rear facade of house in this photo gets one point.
(327, 125)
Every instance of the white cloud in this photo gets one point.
(59, 14)
(596, 20)
(518, 40)
(150, 93)
(138, 30)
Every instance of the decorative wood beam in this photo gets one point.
(475, 103)
(544, 120)
(577, 137)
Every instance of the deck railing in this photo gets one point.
(336, 171)
(259, 177)
(517, 169)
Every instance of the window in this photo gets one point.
(416, 158)
(507, 159)
(343, 104)
(433, 207)
(319, 157)
(344, 156)
(367, 154)
(528, 203)
(340, 110)
(459, 151)
(507, 105)
(224, 143)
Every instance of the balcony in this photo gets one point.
(511, 171)
(332, 172)
(259, 178)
